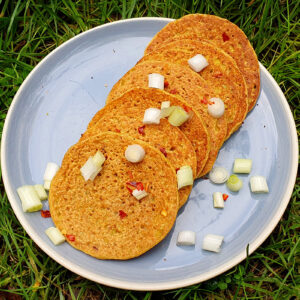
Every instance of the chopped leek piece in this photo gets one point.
(99, 159)
(258, 184)
(178, 116)
(165, 112)
(217, 108)
(40, 191)
(218, 175)
(186, 238)
(55, 235)
(218, 200)
(50, 172)
(139, 194)
(29, 198)
(152, 116)
(242, 165)
(212, 242)
(234, 183)
(185, 176)
(134, 153)
(90, 170)
(165, 104)
(156, 81)
(198, 62)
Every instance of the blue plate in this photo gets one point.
(53, 107)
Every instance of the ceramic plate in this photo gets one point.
(53, 107)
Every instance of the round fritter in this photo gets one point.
(125, 115)
(194, 128)
(222, 73)
(222, 33)
(179, 80)
(101, 217)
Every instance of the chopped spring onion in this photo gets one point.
(40, 191)
(165, 112)
(212, 242)
(198, 62)
(178, 116)
(234, 183)
(185, 176)
(186, 238)
(218, 200)
(29, 198)
(218, 175)
(134, 153)
(216, 107)
(55, 235)
(92, 166)
(156, 81)
(258, 184)
(152, 116)
(50, 172)
(165, 104)
(242, 165)
(139, 194)
(99, 159)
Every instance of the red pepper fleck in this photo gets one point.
(130, 190)
(225, 197)
(166, 84)
(186, 108)
(173, 91)
(204, 101)
(225, 37)
(141, 130)
(130, 174)
(122, 214)
(218, 75)
(163, 151)
(117, 130)
(132, 183)
(45, 214)
(211, 102)
(140, 186)
(70, 237)
(177, 169)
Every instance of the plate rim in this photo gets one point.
(146, 286)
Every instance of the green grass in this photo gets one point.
(29, 30)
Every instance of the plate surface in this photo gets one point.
(53, 107)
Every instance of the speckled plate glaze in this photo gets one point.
(53, 107)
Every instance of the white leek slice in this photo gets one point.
(185, 177)
(178, 116)
(90, 170)
(151, 116)
(165, 112)
(217, 108)
(218, 175)
(50, 172)
(258, 184)
(40, 190)
(198, 62)
(156, 81)
(134, 153)
(99, 159)
(242, 165)
(234, 183)
(212, 242)
(55, 235)
(186, 238)
(218, 200)
(29, 198)
(165, 104)
(139, 194)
